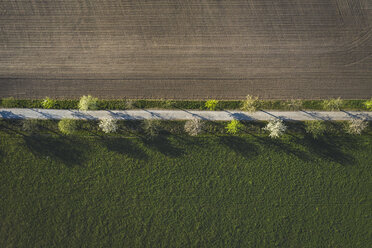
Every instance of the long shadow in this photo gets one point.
(9, 115)
(82, 115)
(188, 140)
(162, 144)
(253, 126)
(362, 116)
(134, 127)
(2, 154)
(280, 117)
(276, 117)
(154, 115)
(295, 126)
(196, 116)
(45, 115)
(69, 152)
(122, 116)
(124, 146)
(240, 116)
(329, 147)
(239, 145)
(279, 145)
(316, 116)
(9, 128)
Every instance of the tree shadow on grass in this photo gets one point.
(11, 127)
(2, 155)
(62, 149)
(253, 126)
(279, 145)
(124, 146)
(186, 140)
(162, 144)
(330, 148)
(239, 145)
(133, 127)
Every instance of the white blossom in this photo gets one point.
(108, 125)
(276, 128)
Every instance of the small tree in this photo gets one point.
(108, 125)
(152, 127)
(356, 126)
(233, 127)
(88, 103)
(194, 127)
(294, 104)
(332, 104)
(211, 104)
(315, 128)
(251, 103)
(68, 126)
(276, 128)
(48, 103)
(368, 104)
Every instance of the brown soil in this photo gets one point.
(186, 49)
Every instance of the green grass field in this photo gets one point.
(179, 191)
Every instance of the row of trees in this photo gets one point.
(251, 104)
(86, 103)
(194, 127)
(275, 128)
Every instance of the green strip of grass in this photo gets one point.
(180, 191)
(178, 104)
(137, 128)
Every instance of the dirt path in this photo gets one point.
(186, 49)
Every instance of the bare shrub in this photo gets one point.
(194, 127)
(356, 126)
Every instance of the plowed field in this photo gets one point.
(186, 49)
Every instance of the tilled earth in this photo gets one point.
(191, 49)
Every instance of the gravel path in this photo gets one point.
(181, 114)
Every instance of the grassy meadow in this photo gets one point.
(91, 190)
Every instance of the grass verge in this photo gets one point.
(178, 104)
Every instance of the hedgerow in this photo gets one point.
(123, 104)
